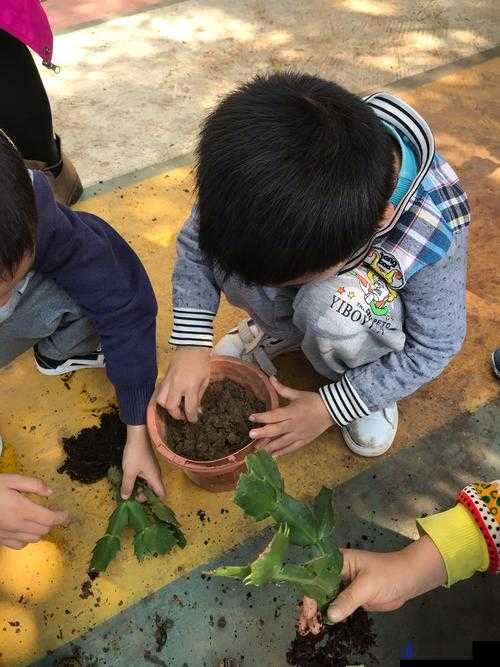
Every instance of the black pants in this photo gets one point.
(25, 114)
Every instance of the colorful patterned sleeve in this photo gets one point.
(482, 500)
(468, 535)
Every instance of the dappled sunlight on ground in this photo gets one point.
(131, 93)
(132, 90)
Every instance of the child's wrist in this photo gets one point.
(424, 567)
(136, 432)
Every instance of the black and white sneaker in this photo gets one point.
(77, 362)
(495, 362)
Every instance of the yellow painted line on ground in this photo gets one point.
(40, 586)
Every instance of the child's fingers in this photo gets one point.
(26, 484)
(271, 416)
(170, 400)
(12, 544)
(44, 515)
(191, 406)
(354, 596)
(283, 390)
(35, 528)
(26, 537)
(156, 484)
(128, 482)
(278, 443)
(173, 408)
(289, 449)
(270, 431)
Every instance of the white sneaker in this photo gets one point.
(249, 343)
(372, 435)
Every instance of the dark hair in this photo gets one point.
(17, 208)
(293, 175)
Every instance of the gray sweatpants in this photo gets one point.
(44, 313)
(344, 322)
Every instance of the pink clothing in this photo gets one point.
(27, 21)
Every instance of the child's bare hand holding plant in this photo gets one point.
(381, 581)
(185, 382)
(139, 461)
(294, 425)
(21, 520)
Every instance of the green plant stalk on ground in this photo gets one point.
(155, 526)
(261, 494)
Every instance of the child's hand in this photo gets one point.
(385, 581)
(21, 520)
(185, 382)
(379, 582)
(139, 461)
(294, 425)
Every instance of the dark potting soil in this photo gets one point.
(91, 452)
(336, 645)
(222, 428)
(76, 659)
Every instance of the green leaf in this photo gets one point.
(260, 488)
(233, 571)
(109, 545)
(322, 507)
(155, 539)
(263, 466)
(314, 579)
(256, 497)
(151, 535)
(104, 551)
(163, 512)
(270, 561)
(164, 539)
(166, 515)
(115, 478)
(178, 534)
(300, 520)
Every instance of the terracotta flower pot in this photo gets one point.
(220, 474)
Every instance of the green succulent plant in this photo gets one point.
(155, 526)
(261, 494)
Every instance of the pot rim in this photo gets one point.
(225, 463)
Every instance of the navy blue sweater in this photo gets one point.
(101, 272)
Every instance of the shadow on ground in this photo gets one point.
(216, 619)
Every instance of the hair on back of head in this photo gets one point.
(17, 208)
(293, 175)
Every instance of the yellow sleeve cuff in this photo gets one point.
(459, 541)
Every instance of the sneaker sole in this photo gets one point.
(366, 451)
(69, 368)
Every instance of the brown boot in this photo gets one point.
(66, 186)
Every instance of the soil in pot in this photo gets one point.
(222, 428)
(337, 645)
(91, 452)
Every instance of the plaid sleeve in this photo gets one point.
(447, 194)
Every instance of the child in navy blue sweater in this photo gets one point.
(74, 291)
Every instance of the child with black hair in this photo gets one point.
(334, 223)
(74, 291)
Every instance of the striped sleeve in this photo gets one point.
(195, 293)
(343, 402)
(192, 327)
